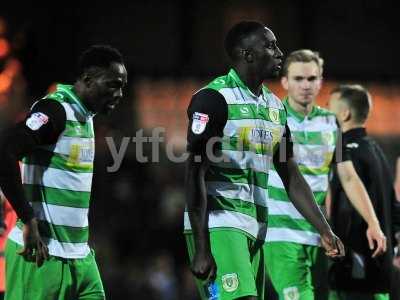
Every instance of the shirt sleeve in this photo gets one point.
(43, 125)
(207, 114)
(53, 118)
(285, 148)
(342, 152)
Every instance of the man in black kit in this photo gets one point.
(361, 275)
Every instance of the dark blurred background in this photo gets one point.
(171, 49)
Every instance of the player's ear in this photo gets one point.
(87, 79)
(247, 55)
(346, 114)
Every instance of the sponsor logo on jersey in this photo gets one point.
(261, 136)
(36, 120)
(199, 122)
(230, 282)
(245, 110)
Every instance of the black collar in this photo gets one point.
(355, 133)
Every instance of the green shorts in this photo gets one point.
(58, 278)
(297, 271)
(240, 265)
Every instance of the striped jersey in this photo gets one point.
(314, 139)
(237, 182)
(57, 180)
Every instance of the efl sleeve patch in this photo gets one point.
(36, 120)
(199, 122)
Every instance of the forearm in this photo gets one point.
(11, 184)
(397, 180)
(303, 199)
(196, 200)
(359, 198)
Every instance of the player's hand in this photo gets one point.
(203, 266)
(376, 237)
(332, 244)
(34, 248)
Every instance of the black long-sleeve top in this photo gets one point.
(373, 169)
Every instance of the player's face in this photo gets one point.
(267, 55)
(303, 82)
(106, 89)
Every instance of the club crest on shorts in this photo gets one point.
(274, 115)
(291, 293)
(199, 122)
(230, 282)
(36, 120)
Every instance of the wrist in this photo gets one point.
(327, 230)
(374, 223)
(202, 243)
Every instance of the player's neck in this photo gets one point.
(347, 126)
(79, 91)
(250, 79)
(303, 109)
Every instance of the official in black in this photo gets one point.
(360, 275)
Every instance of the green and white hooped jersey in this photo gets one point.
(237, 184)
(314, 139)
(57, 180)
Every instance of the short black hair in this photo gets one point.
(98, 56)
(237, 33)
(357, 98)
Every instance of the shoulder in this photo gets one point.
(57, 96)
(274, 101)
(323, 115)
(207, 99)
(50, 108)
(358, 144)
(221, 82)
(47, 104)
(323, 112)
(44, 111)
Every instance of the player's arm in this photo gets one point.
(43, 125)
(359, 198)
(302, 197)
(207, 115)
(397, 179)
(328, 203)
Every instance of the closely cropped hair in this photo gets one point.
(237, 33)
(304, 56)
(98, 56)
(357, 98)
